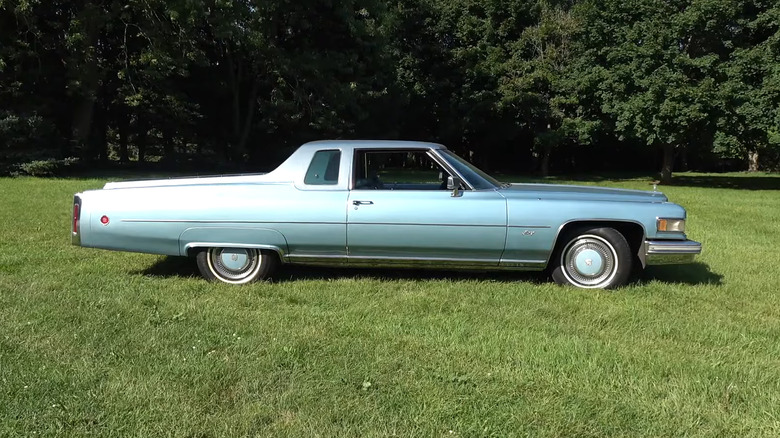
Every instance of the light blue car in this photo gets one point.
(386, 204)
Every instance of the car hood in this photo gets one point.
(559, 191)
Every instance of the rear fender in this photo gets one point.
(193, 239)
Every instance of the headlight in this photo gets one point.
(671, 225)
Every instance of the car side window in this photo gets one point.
(324, 169)
(398, 170)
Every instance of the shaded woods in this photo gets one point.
(517, 85)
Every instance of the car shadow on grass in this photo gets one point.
(297, 273)
(169, 266)
(691, 274)
(767, 182)
(184, 267)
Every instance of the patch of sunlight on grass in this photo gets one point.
(104, 343)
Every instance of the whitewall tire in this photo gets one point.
(236, 265)
(593, 258)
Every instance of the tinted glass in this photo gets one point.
(324, 169)
(478, 179)
(398, 170)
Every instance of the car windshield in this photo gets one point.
(478, 179)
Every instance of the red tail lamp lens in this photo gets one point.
(75, 218)
(104, 220)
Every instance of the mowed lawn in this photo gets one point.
(97, 343)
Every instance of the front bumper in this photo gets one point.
(671, 252)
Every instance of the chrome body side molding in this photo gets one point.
(414, 262)
(204, 245)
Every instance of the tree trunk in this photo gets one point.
(752, 161)
(683, 159)
(668, 165)
(545, 165)
(123, 128)
(98, 138)
(169, 150)
(234, 77)
(84, 67)
(82, 122)
(547, 147)
(141, 140)
(251, 105)
(64, 123)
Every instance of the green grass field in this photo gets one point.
(96, 343)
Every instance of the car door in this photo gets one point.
(401, 211)
(313, 219)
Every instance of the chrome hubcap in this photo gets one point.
(234, 265)
(589, 261)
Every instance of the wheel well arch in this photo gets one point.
(195, 239)
(633, 232)
(191, 250)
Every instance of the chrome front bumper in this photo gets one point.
(671, 252)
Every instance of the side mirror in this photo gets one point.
(454, 184)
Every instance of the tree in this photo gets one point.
(539, 82)
(237, 83)
(451, 55)
(750, 92)
(34, 116)
(657, 66)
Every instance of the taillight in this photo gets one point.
(76, 214)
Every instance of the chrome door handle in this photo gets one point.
(362, 202)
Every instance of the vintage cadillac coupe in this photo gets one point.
(386, 204)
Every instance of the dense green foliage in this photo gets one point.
(521, 85)
(99, 343)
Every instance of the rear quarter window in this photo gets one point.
(324, 169)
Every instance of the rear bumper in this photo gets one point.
(671, 252)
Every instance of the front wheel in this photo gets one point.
(235, 265)
(593, 258)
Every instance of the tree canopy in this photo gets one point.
(515, 85)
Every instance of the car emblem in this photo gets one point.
(529, 233)
(234, 257)
(589, 262)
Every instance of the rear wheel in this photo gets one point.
(593, 258)
(236, 265)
